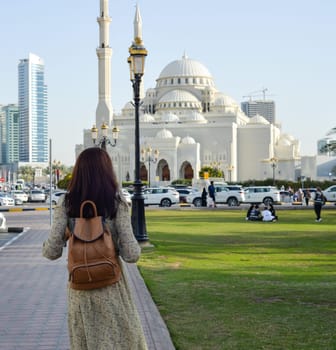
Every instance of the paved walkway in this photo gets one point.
(33, 312)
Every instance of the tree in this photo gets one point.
(27, 173)
(212, 172)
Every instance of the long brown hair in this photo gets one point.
(94, 179)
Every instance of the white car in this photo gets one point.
(330, 193)
(262, 194)
(162, 196)
(55, 197)
(224, 195)
(19, 196)
(36, 196)
(6, 200)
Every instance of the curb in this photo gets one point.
(24, 209)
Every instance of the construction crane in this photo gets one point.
(257, 93)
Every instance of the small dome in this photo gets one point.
(146, 118)
(178, 96)
(188, 140)
(288, 137)
(224, 100)
(164, 134)
(129, 105)
(284, 142)
(258, 119)
(195, 117)
(169, 118)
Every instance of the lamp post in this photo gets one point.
(230, 169)
(274, 162)
(104, 140)
(148, 156)
(136, 62)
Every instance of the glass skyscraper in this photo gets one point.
(9, 120)
(33, 111)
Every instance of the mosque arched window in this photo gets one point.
(171, 81)
(179, 81)
(194, 81)
(186, 80)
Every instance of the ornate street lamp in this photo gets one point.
(274, 162)
(136, 62)
(147, 155)
(104, 140)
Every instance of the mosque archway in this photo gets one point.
(143, 172)
(163, 171)
(186, 171)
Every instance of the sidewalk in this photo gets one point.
(33, 298)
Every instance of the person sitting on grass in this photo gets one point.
(272, 210)
(267, 215)
(255, 214)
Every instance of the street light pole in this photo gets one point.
(273, 162)
(104, 139)
(136, 62)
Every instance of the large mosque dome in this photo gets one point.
(185, 67)
(186, 72)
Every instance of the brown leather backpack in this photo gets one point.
(92, 257)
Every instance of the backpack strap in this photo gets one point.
(82, 207)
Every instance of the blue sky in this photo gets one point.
(285, 46)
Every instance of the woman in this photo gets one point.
(104, 318)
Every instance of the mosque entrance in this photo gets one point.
(163, 170)
(186, 171)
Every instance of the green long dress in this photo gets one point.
(105, 318)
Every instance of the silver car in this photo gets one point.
(36, 196)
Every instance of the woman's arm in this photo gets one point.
(53, 246)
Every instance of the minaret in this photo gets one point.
(138, 41)
(104, 111)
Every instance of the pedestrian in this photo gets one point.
(307, 196)
(212, 193)
(102, 318)
(319, 201)
(204, 197)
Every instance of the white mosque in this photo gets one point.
(187, 124)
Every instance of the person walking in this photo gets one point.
(319, 200)
(102, 318)
(204, 197)
(212, 193)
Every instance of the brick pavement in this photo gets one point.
(33, 298)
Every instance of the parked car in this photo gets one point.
(36, 196)
(262, 194)
(162, 196)
(224, 195)
(56, 196)
(330, 193)
(127, 196)
(183, 192)
(19, 196)
(6, 200)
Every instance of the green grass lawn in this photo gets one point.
(223, 283)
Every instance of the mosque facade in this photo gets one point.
(189, 124)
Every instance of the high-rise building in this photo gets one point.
(33, 111)
(9, 121)
(265, 108)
